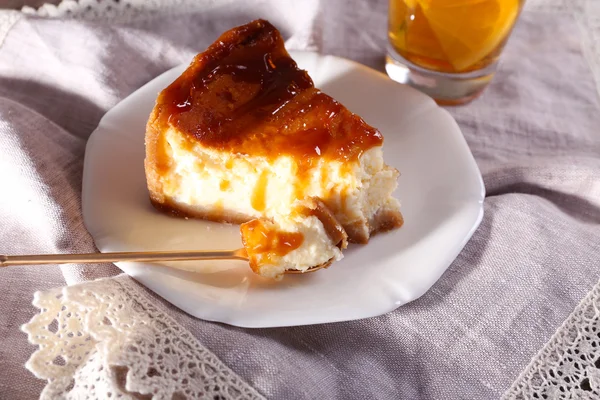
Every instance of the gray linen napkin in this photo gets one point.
(534, 133)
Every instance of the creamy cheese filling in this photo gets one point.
(259, 186)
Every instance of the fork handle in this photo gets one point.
(149, 256)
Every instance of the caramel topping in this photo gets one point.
(259, 198)
(224, 185)
(163, 156)
(245, 95)
(265, 244)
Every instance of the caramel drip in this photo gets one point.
(224, 185)
(259, 198)
(163, 158)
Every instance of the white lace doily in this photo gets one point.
(568, 367)
(105, 339)
(120, 10)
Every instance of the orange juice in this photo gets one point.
(451, 36)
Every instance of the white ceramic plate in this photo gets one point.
(440, 189)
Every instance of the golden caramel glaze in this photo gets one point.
(245, 95)
(258, 198)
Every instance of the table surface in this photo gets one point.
(18, 4)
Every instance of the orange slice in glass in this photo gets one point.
(469, 30)
(420, 39)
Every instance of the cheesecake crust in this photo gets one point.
(182, 210)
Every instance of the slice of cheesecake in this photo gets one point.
(244, 134)
(310, 236)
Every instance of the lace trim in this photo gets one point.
(568, 367)
(120, 11)
(105, 339)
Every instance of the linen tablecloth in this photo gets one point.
(534, 134)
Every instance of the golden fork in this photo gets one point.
(139, 256)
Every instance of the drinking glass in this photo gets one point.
(448, 49)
